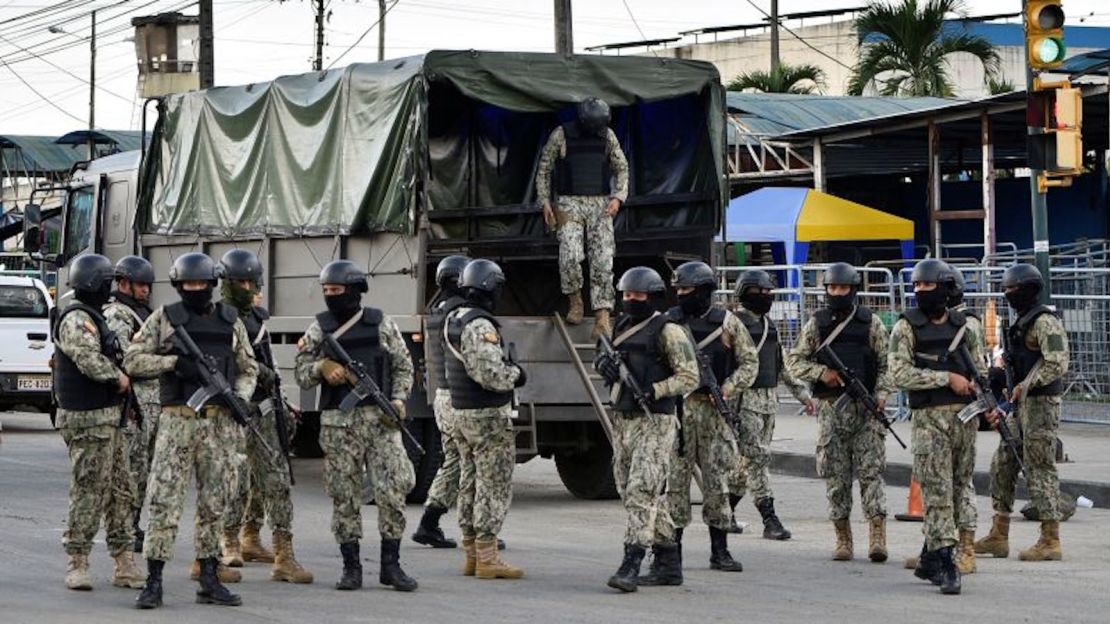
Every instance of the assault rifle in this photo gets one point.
(130, 408)
(277, 405)
(363, 387)
(986, 402)
(627, 380)
(854, 390)
(716, 397)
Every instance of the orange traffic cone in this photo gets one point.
(915, 508)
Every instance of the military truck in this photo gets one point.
(397, 164)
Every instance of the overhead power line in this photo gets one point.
(802, 39)
(40, 95)
(363, 35)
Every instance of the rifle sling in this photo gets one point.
(632, 331)
(836, 330)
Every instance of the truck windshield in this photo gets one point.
(22, 302)
(79, 220)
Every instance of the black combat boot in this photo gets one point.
(211, 590)
(928, 567)
(391, 572)
(949, 573)
(428, 531)
(139, 535)
(678, 542)
(352, 567)
(151, 596)
(626, 578)
(666, 568)
(720, 558)
(772, 527)
(733, 527)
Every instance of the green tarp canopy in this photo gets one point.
(346, 150)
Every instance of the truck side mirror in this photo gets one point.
(32, 228)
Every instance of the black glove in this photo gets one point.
(522, 378)
(186, 368)
(608, 367)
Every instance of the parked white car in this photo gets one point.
(25, 344)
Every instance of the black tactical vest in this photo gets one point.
(363, 342)
(770, 355)
(252, 322)
(721, 359)
(72, 389)
(646, 363)
(140, 310)
(1023, 358)
(852, 346)
(214, 333)
(433, 339)
(585, 168)
(931, 343)
(465, 392)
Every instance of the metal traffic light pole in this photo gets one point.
(1038, 200)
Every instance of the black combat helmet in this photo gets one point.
(693, 275)
(449, 270)
(346, 273)
(1022, 275)
(642, 279)
(482, 281)
(841, 273)
(90, 273)
(754, 278)
(241, 264)
(135, 269)
(593, 115)
(931, 270)
(194, 266)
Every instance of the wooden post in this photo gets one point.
(990, 240)
(934, 186)
(818, 165)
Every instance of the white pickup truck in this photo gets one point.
(25, 345)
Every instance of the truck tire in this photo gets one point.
(588, 475)
(426, 466)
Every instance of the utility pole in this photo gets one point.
(207, 60)
(318, 62)
(92, 87)
(774, 35)
(381, 30)
(1038, 196)
(564, 28)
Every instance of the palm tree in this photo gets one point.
(904, 48)
(998, 86)
(784, 78)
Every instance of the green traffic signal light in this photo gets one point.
(1050, 50)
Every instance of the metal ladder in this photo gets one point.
(588, 378)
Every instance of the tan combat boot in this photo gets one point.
(1047, 547)
(127, 574)
(490, 565)
(602, 327)
(224, 573)
(997, 542)
(843, 550)
(965, 555)
(911, 562)
(877, 542)
(286, 567)
(575, 312)
(77, 573)
(253, 550)
(471, 556)
(233, 554)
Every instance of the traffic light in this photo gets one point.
(1056, 146)
(1044, 33)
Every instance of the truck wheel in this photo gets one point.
(425, 467)
(588, 475)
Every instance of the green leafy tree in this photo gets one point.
(785, 78)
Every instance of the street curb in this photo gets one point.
(898, 474)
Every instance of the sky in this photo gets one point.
(257, 40)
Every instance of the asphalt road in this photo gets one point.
(568, 549)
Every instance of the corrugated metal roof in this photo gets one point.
(121, 140)
(773, 114)
(38, 154)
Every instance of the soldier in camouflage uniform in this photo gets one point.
(125, 313)
(851, 443)
(191, 442)
(89, 388)
(481, 381)
(591, 184)
(1037, 359)
(925, 360)
(263, 488)
(660, 356)
(708, 441)
(759, 403)
(366, 434)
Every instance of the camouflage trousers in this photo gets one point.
(753, 470)
(487, 456)
(100, 486)
(187, 445)
(710, 444)
(585, 232)
(1040, 418)
(944, 463)
(348, 444)
(140, 448)
(260, 488)
(643, 451)
(444, 490)
(850, 446)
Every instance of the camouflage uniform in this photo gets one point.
(201, 443)
(579, 216)
(350, 440)
(1039, 419)
(644, 447)
(943, 447)
(484, 436)
(100, 483)
(851, 443)
(444, 490)
(710, 441)
(758, 407)
(967, 514)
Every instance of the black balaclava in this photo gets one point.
(1023, 297)
(95, 298)
(841, 303)
(196, 300)
(638, 310)
(756, 301)
(696, 303)
(934, 303)
(344, 305)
